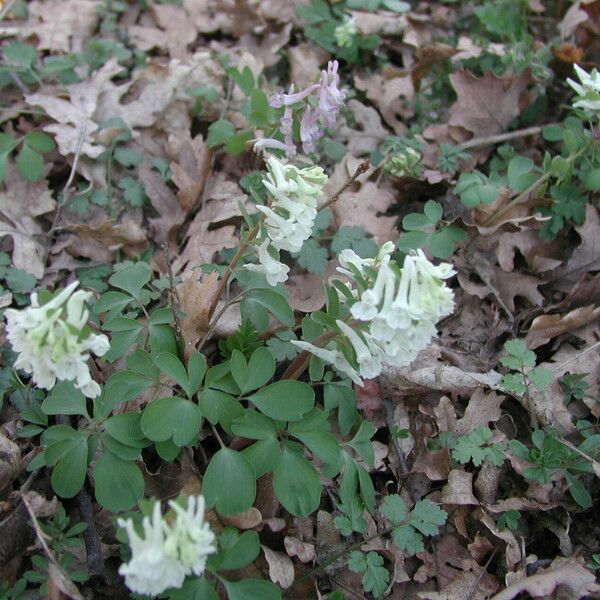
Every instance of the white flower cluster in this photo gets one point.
(344, 34)
(167, 552)
(290, 217)
(400, 308)
(53, 341)
(588, 91)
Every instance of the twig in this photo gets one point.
(175, 302)
(524, 196)
(93, 548)
(389, 421)
(216, 318)
(66, 192)
(6, 8)
(503, 137)
(362, 168)
(481, 574)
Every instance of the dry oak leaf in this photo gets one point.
(547, 327)
(171, 216)
(20, 203)
(76, 118)
(483, 408)
(364, 208)
(563, 572)
(459, 489)
(195, 300)
(486, 105)
(281, 567)
(305, 60)
(505, 287)
(99, 239)
(586, 257)
(175, 31)
(208, 233)
(392, 95)
(305, 551)
(61, 26)
(369, 134)
(541, 255)
(190, 172)
(440, 377)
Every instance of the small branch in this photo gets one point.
(93, 548)
(503, 137)
(175, 302)
(481, 574)
(362, 168)
(216, 318)
(524, 196)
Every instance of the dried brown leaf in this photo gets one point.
(20, 203)
(546, 327)
(459, 489)
(190, 172)
(570, 573)
(196, 298)
(305, 551)
(486, 105)
(281, 568)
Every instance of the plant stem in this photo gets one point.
(299, 364)
(363, 167)
(503, 137)
(524, 196)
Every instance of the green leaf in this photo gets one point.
(133, 191)
(244, 79)
(441, 244)
(194, 588)
(541, 378)
(375, 577)
(521, 173)
(229, 482)
(263, 455)
(30, 164)
(119, 484)
(591, 179)
(236, 144)
(254, 426)
(268, 300)
(20, 281)
(427, 517)
(219, 132)
(68, 475)
(40, 141)
(313, 257)
(321, 443)
(112, 300)
(23, 55)
(433, 211)
(394, 509)
(285, 400)
(518, 355)
(408, 539)
(170, 365)
(7, 143)
(416, 221)
(413, 240)
(131, 279)
(353, 237)
(296, 483)
(361, 442)
(236, 550)
(65, 399)
(251, 589)
(171, 417)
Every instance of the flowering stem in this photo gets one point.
(231, 266)
(299, 364)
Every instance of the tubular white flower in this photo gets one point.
(368, 354)
(273, 270)
(290, 218)
(150, 571)
(167, 553)
(333, 357)
(400, 306)
(53, 342)
(588, 91)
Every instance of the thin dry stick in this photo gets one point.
(503, 137)
(481, 574)
(175, 302)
